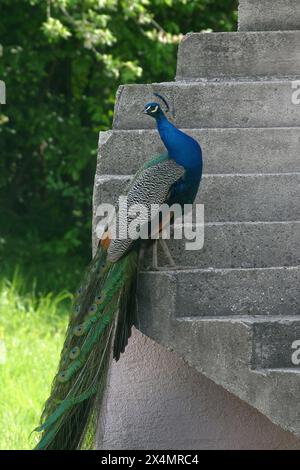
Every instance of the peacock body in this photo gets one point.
(105, 308)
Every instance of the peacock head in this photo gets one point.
(154, 109)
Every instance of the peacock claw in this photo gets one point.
(167, 253)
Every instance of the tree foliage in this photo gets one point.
(63, 61)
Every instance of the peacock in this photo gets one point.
(104, 309)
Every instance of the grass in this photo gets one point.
(32, 329)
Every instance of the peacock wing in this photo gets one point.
(150, 186)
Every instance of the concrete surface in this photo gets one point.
(146, 408)
(269, 15)
(272, 344)
(239, 245)
(222, 349)
(239, 55)
(236, 198)
(230, 151)
(223, 292)
(207, 104)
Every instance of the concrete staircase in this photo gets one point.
(232, 309)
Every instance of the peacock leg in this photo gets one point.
(154, 255)
(167, 252)
(141, 255)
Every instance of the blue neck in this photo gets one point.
(182, 148)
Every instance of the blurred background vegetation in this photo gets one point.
(62, 63)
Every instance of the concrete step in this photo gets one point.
(239, 55)
(224, 292)
(209, 105)
(235, 198)
(224, 150)
(238, 245)
(275, 344)
(223, 349)
(269, 15)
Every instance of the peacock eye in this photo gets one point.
(62, 376)
(76, 310)
(98, 299)
(64, 360)
(92, 309)
(74, 352)
(154, 109)
(79, 330)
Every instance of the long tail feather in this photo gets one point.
(101, 323)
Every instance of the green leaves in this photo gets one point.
(55, 30)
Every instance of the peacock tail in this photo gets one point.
(105, 310)
(101, 321)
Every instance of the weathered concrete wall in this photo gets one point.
(156, 401)
(242, 55)
(269, 15)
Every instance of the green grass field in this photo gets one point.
(31, 333)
